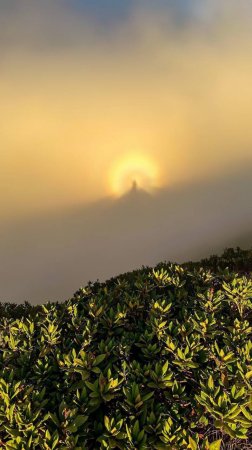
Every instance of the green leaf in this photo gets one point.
(180, 354)
(54, 419)
(107, 423)
(193, 443)
(248, 375)
(99, 359)
(135, 430)
(246, 413)
(147, 396)
(216, 445)
(210, 382)
(229, 431)
(80, 420)
(91, 386)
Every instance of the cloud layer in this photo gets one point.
(75, 97)
(79, 94)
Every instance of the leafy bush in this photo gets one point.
(154, 359)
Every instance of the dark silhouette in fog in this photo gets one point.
(49, 257)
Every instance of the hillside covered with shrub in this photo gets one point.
(153, 359)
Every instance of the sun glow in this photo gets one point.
(134, 170)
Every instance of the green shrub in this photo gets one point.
(153, 359)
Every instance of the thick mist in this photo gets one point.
(49, 257)
(78, 96)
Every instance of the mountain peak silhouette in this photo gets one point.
(135, 194)
(134, 186)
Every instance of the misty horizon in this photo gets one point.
(49, 257)
(125, 138)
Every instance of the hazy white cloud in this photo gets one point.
(78, 99)
(145, 82)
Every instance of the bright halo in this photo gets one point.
(133, 170)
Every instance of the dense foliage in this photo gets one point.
(153, 359)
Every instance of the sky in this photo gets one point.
(98, 94)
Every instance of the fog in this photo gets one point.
(78, 98)
(51, 256)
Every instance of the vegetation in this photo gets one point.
(154, 359)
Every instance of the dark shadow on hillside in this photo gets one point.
(49, 257)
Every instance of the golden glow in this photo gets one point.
(87, 116)
(132, 169)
